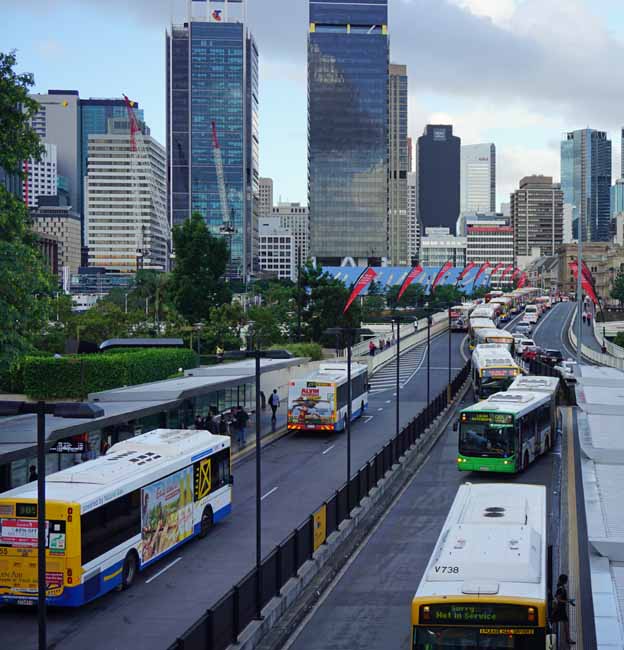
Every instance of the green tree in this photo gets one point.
(372, 306)
(103, 321)
(197, 279)
(266, 326)
(479, 292)
(224, 328)
(413, 296)
(445, 295)
(26, 286)
(617, 293)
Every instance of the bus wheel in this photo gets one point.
(130, 569)
(206, 522)
(525, 464)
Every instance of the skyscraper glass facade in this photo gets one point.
(348, 129)
(586, 182)
(213, 77)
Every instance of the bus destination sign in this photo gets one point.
(476, 614)
(489, 418)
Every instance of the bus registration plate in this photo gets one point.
(484, 469)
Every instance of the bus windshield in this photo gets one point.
(466, 638)
(491, 385)
(486, 439)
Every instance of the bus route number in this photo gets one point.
(446, 569)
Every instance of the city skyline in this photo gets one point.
(525, 119)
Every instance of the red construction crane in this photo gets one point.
(226, 227)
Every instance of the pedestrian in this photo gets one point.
(198, 422)
(589, 318)
(32, 473)
(223, 425)
(240, 420)
(274, 402)
(371, 348)
(584, 318)
(560, 603)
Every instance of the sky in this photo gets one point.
(519, 73)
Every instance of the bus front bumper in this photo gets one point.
(496, 465)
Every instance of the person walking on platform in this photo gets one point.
(274, 402)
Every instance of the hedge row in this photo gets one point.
(74, 376)
(312, 350)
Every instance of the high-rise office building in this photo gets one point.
(265, 197)
(537, 216)
(413, 229)
(617, 197)
(277, 249)
(125, 202)
(40, 176)
(57, 122)
(439, 246)
(586, 181)
(478, 178)
(348, 130)
(491, 242)
(398, 166)
(212, 77)
(438, 177)
(294, 217)
(622, 155)
(410, 155)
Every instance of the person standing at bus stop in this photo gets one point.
(560, 607)
(274, 402)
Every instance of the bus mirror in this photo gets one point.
(456, 425)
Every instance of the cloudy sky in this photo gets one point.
(515, 72)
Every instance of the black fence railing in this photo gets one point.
(227, 618)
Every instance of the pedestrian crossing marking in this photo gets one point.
(385, 379)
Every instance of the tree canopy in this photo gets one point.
(617, 293)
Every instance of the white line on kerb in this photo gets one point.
(163, 570)
(327, 450)
(262, 498)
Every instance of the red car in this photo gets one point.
(531, 353)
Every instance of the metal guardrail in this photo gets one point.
(592, 355)
(601, 336)
(223, 622)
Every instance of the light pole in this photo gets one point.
(79, 410)
(428, 357)
(450, 334)
(348, 334)
(254, 352)
(579, 288)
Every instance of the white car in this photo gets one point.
(524, 343)
(566, 370)
(531, 317)
(524, 328)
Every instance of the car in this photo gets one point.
(531, 352)
(523, 328)
(518, 336)
(531, 317)
(524, 343)
(551, 357)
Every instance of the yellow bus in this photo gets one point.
(495, 335)
(486, 583)
(109, 518)
(492, 370)
(475, 324)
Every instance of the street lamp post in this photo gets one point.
(579, 288)
(428, 357)
(79, 410)
(448, 394)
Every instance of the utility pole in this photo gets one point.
(579, 289)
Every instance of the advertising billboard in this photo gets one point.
(166, 513)
(312, 403)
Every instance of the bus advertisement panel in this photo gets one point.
(312, 404)
(166, 514)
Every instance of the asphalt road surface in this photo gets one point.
(299, 472)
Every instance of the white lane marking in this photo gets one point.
(326, 451)
(380, 409)
(269, 493)
(388, 401)
(163, 570)
(366, 419)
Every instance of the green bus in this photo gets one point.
(508, 431)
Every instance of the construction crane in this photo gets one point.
(140, 163)
(226, 228)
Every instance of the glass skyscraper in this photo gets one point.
(212, 72)
(586, 182)
(348, 60)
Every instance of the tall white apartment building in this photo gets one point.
(491, 243)
(413, 223)
(40, 176)
(125, 201)
(295, 218)
(277, 249)
(478, 178)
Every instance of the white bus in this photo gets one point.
(486, 583)
(492, 370)
(495, 335)
(111, 517)
(476, 324)
(318, 402)
(460, 314)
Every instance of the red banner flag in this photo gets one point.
(466, 270)
(445, 269)
(366, 277)
(497, 268)
(411, 276)
(509, 269)
(515, 274)
(585, 283)
(522, 281)
(484, 267)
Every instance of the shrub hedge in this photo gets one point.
(74, 376)
(312, 350)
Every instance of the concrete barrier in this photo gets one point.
(592, 355)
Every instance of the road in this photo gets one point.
(299, 472)
(369, 605)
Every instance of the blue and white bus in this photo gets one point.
(109, 518)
